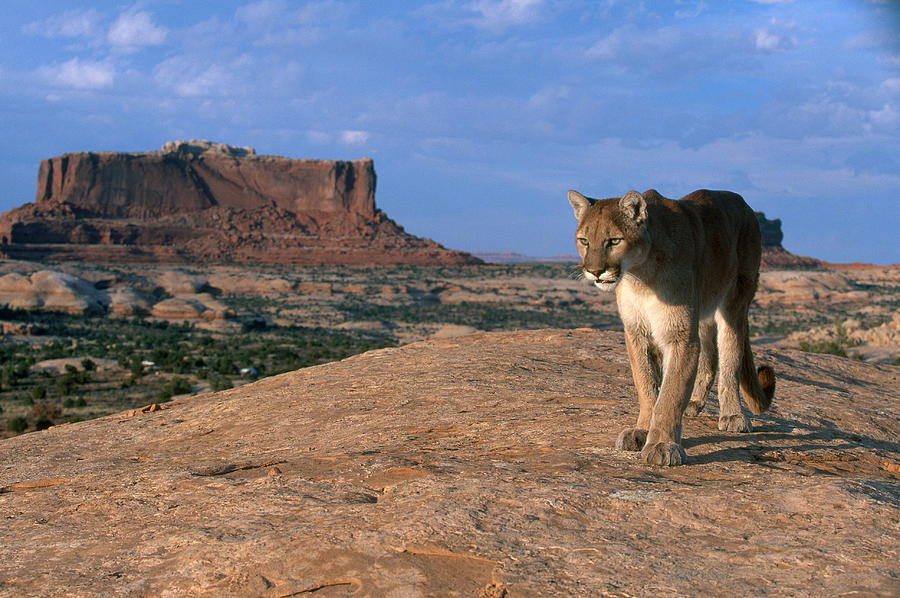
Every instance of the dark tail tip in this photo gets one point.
(766, 376)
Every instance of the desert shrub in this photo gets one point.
(219, 383)
(829, 347)
(7, 378)
(175, 386)
(896, 360)
(136, 366)
(224, 366)
(53, 350)
(45, 410)
(72, 402)
(88, 364)
(38, 392)
(179, 386)
(64, 385)
(42, 423)
(17, 425)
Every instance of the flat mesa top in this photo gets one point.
(197, 147)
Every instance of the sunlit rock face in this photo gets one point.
(210, 202)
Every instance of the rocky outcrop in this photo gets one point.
(51, 291)
(770, 230)
(795, 290)
(200, 306)
(776, 257)
(210, 202)
(480, 465)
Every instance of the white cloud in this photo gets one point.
(276, 23)
(493, 15)
(885, 118)
(260, 12)
(771, 42)
(498, 15)
(606, 48)
(892, 85)
(189, 77)
(318, 137)
(354, 137)
(71, 23)
(135, 29)
(79, 74)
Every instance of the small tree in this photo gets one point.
(17, 425)
(137, 366)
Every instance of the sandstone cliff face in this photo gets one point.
(202, 201)
(471, 466)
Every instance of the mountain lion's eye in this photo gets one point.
(613, 242)
(583, 241)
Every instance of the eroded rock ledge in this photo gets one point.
(199, 201)
(477, 465)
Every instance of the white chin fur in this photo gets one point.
(606, 286)
(606, 281)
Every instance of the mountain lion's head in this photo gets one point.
(611, 237)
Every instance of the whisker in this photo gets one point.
(577, 272)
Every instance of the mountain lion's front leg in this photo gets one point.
(680, 357)
(641, 354)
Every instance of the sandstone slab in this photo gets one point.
(475, 465)
(52, 291)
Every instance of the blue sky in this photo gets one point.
(481, 114)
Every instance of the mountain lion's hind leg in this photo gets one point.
(732, 328)
(706, 369)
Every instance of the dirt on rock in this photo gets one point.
(478, 465)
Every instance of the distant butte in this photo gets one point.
(198, 201)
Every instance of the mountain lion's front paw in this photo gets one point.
(631, 439)
(663, 453)
(735, 423)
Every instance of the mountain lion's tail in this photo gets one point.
(757, 386)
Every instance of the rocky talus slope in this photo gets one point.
(472, 466)
(198, 201)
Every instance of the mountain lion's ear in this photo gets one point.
(634, 207)
(580, 204)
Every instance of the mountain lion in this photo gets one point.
(684, 273)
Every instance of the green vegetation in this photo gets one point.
(829, 347)
(156, 361)
(838, 346)
(17, 425)
(479, 315)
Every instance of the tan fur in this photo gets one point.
(684, 273)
